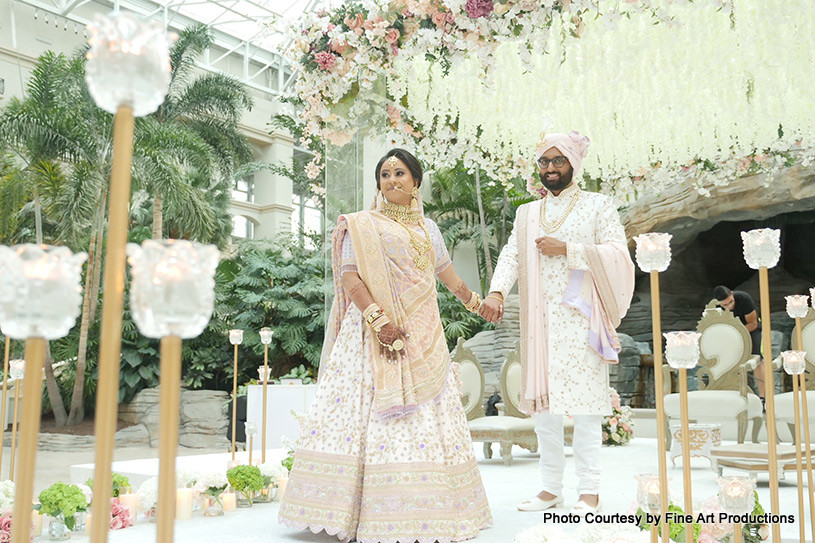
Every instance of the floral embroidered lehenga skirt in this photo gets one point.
(356, 476)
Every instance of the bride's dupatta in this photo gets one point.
(408, 297)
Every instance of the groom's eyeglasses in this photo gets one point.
(558, 161)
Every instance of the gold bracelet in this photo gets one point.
(379, 322)
(495, 296)
(370, 309)
(474, 303)
(374, 315)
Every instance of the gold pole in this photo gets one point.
(769, 398)
(683, 407)
(807, 445)
(654, 533)
(3, 407)
(169, 407)
(110, 344)
(798, 467)
(234, 400)
(32, 408)
(660, 404)
(17, 386)
(738, 537)
(251, 439)
(265, 384)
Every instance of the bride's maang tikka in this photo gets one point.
(392, 160)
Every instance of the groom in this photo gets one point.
(575, 277)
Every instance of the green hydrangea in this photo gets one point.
(61, 499)
(120, 484)
(245, 478)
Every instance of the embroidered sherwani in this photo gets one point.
(576, 375)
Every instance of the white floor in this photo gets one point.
(506, 486)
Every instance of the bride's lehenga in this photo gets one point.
(359, 475)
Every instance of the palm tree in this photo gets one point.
(466, 214)
(193, 143)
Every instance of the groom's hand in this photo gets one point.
(551, 246)
(492, 309)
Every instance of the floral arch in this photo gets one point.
(670, 91)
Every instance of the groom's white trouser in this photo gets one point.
(586, 443)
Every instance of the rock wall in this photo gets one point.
(203, 419)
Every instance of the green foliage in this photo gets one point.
(61, 499)
(276, 284)
(454, 207)
(288, 462)
(120, 484)
(245, 478)
(300, 372)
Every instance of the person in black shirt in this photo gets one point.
(743, 307)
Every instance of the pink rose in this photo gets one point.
(613, 421)
(605, 436)
(368, 25)
(615, 402)
(5, 537)
(394, 115)
(338, 46)
(439, 18)
(5, 523)
(325, 60)
(450, 17)
(479, 8)
(626, 427)
(116, 523)
(353, 22)
(392, 36)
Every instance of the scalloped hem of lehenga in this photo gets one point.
(340, 534)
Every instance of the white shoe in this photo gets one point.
(581, 508)
(537, 504)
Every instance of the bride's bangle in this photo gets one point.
(474, 303)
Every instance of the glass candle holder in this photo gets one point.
(736, 494)
(762, 247)
(250, 429)
(16, 369)
(47, 295)
(797, 306)
(795, 362)
(173, 287)
(812, 296)
(263, 374)
(236, 337)
(648, 492)
(653, 251)
(128, 63)
(682, 349)
(266, 335)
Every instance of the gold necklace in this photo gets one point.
(550, 227)
(401, 212)
(422, 246)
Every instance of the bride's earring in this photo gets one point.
(414, 201)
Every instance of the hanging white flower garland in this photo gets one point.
(698, 97)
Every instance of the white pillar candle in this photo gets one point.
(183, 504)
(281, 487)
(229, 500)
(36, 518)
(87, 524)
(131, 501)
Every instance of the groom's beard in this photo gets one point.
(559, 183)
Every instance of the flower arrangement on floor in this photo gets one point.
(246, 480)
(6, 522)
(6, 495)
(120, 515)
(618, 428)
(120, 484)
(62, 501)
(210, 485)
(148, 496)
(714, 532)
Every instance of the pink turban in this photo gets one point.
(572, 145)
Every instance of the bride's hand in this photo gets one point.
(391, 336)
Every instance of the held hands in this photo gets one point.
(492, 308)
(391, 342)
(550, 246)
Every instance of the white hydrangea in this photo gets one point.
(148, 494)
(6, 495)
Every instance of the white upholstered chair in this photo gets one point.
(725, 359)
(784, 406)
(507, 430)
